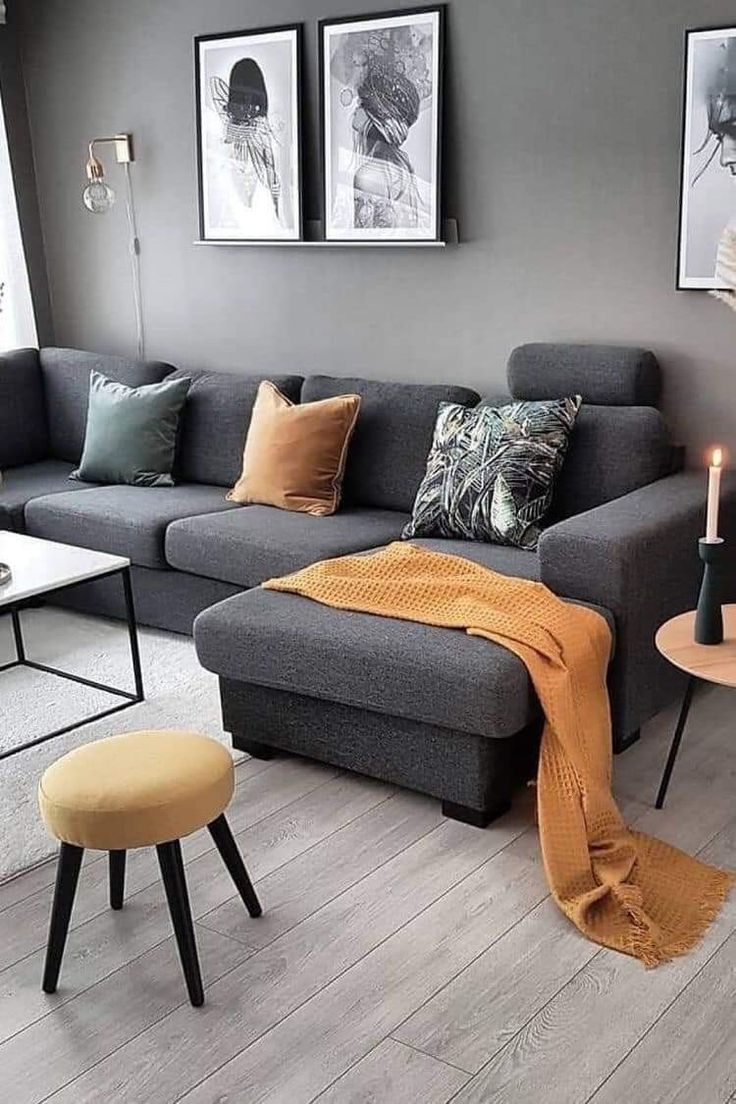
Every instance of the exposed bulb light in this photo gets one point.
(98, 197)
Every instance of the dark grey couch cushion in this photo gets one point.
(260, 542)
(66, 386)
(388, 453)
(498, 557)
(22, 484)
(608, 375)
(23, 431)
(215, 421)
(613, 450)
(128, 521)
(439, 676)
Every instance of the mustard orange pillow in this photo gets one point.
(294, 455)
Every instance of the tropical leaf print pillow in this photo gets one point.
(491, 471)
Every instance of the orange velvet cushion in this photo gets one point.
(295, 454)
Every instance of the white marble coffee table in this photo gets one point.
(41, 568)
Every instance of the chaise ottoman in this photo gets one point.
(428, 708)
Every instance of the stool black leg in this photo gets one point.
(220, 831)
(680, 728)
(117, 879)
(172, 872)
(67, 876)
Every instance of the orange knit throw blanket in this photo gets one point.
(622, 889)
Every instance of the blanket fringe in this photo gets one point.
(640, 943)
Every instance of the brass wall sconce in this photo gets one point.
(98, 196)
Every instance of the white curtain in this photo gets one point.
(17, 321)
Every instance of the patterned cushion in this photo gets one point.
(491, 471)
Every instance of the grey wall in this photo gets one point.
(21, 156)
(563, 135)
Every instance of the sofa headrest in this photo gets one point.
(605, 375)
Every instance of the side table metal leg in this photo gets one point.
(676, 739)
(133, 633)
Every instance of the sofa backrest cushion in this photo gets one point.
(66, 374)
(23, 431)
(215, 423)
(613, 450)
(605, 375)
(387, 458)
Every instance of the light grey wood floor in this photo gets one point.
(400, 958)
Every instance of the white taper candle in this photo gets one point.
(714, 492)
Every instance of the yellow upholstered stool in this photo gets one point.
(141, 789)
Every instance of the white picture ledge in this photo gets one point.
(313, 241)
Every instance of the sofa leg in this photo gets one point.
(624, 742)
(256, 750)
(479, 818)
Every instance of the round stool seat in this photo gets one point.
(136, 790)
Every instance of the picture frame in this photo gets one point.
(381, 125)
(708, 154)
(249, 134)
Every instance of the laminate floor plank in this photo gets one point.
(395, 1074)
(345, 1020)
(703, 1066)
(610, 1004)
(485, 1005)
(295, 891)
(80, 1032)
(173, 1056)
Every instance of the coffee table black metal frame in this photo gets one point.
(22, 660)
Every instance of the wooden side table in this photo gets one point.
(702, 662)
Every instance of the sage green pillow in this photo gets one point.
(131, 432)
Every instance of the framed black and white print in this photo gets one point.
(708, 193)
(248, 134)
(381, 84)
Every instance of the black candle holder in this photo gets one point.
(708, 615)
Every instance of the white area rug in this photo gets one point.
(179, 694)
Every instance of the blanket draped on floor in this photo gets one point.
(621, 888)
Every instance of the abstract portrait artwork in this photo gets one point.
(381, 82)
(248, 135)
(708, 202)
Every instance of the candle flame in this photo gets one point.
(716, 459)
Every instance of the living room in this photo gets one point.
(367, 433)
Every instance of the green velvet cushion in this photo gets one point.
(131, 432)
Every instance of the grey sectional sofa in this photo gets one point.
(428, 708)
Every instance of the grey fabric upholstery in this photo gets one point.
(215, 421)
(434, 675)
(23, 431)
(613, 450)
(128, 521)
(31, 481)
(387, 457)
(497, 557)
(608, 375)
(254, 543)
(401, 668)
(456, 766)
(163, 599)
(66, 387)
(638, 557)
